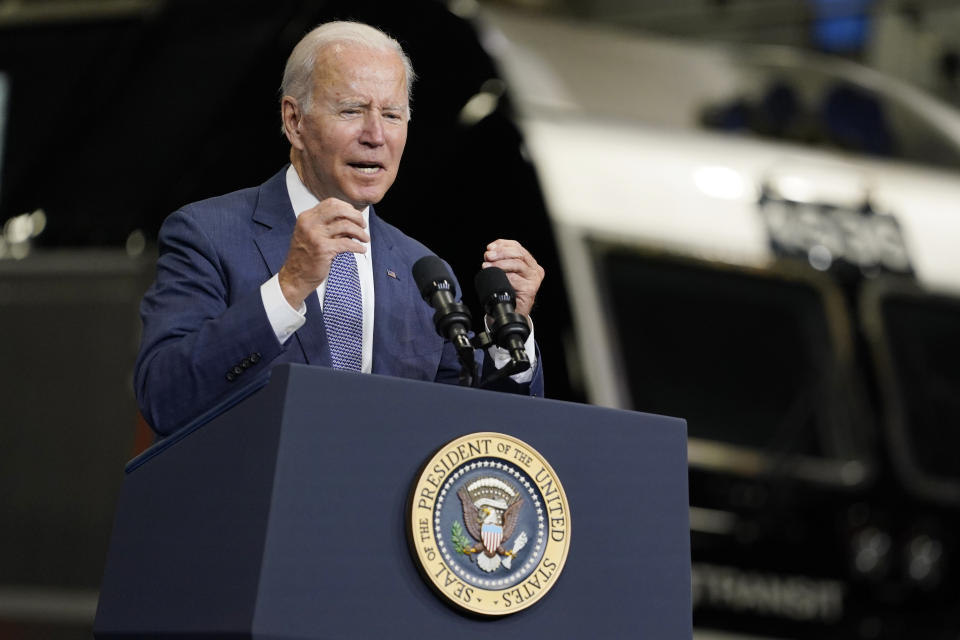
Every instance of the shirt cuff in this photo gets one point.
(501, 357)
(284, 319)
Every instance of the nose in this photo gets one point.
(372, 133)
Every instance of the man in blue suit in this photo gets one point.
(242, 278)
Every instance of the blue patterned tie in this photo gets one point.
(343, 313)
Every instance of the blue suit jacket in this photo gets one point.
(205, 331)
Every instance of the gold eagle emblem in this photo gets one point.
(491, 508)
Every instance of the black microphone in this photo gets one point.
(508, 328)
(451, 318)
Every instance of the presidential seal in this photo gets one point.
(489, 523)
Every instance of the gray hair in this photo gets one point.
(298, 74)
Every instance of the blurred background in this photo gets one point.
(748, 210)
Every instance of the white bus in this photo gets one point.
(766, 243)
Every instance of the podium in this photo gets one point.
(285, 517)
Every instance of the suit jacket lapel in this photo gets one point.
(405, 343)
(275, 213)
(388, 294)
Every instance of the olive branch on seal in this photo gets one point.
(460, 542)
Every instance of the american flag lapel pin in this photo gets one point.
(392, 274)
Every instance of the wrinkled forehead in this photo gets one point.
(348, 62)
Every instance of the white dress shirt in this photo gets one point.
(285, 320)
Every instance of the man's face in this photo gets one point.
(351, 141)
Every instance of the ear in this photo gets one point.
(292, 116)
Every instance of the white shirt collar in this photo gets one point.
(301, 199)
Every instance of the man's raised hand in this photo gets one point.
(331, 227)
(522, 270)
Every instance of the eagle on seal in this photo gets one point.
(491, 509)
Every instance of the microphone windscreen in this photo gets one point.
(430, 269)
(491, 281)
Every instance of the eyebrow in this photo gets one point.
(353, 102)
(359, 103)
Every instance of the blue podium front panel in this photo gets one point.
(295, 521)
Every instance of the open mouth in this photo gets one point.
(366, 167)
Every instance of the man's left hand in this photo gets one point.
(521, 268)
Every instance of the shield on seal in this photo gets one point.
(492, 534)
